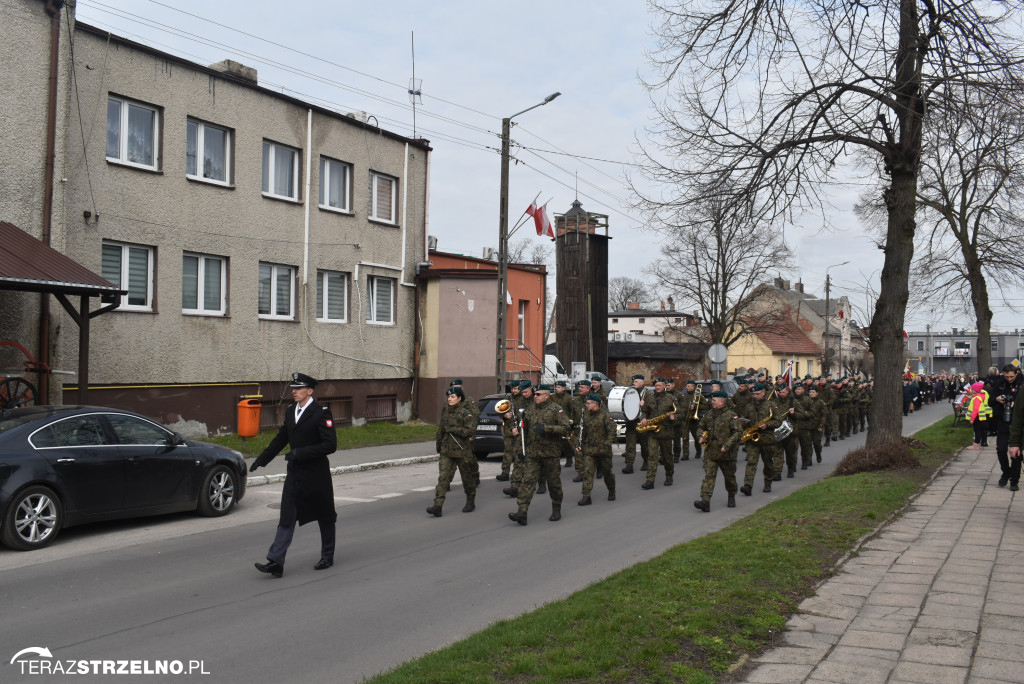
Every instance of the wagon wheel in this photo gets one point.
(15, 392)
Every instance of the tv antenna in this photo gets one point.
(415, 86)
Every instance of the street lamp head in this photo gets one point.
(551, 97)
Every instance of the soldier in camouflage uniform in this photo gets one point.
(688, 423)
(576, 409)
(564, 400)
(457, 425)
(632, 436)
(787, 448)
(741, 402)
(659, 403)
(809, 418)
(470, 403)
(519, 463)
(598, 389)
(677, 427)
(545, 425)
(598, 435)
(722, 429)
(764, 449)
(827, 396)
(507, 423)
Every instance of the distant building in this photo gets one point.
(956, 350)
(649, 321)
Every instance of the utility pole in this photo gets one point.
(506, 131)
(828, 314)
(928, 337)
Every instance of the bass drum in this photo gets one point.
(623, 403)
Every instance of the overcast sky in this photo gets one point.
(480, 61)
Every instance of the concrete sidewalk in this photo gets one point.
(934, 597)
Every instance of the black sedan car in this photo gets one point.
(67, 465)
(488, 439)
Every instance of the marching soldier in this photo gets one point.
(632, 436)
(597, 434)
(564, 401)
(659, 405)
(470, 403)
(810, 424)
(545, 424)
(519, 463)
(691, 425)
(457, 425)
(787, 448)
(764, 448)
(599, 390)
(507, 423)
(720, 432)
(741, 401)
(677, 427)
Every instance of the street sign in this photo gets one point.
(718, 353)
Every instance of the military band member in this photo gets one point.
(659, 404)
(507, 423)
(545, 424)
(632, 436)
(809, 420)
(519, 462)
(599, 390)
(764, 448)
(677, 427)
(691, 425)
(457, 425)
(786, 449)
(597, 434)
(741, 401)
(564, 400)
(722, 429)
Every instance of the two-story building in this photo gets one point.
(956, 350)
(254, 234)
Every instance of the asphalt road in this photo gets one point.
(183, 588)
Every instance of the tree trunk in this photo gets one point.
(982, 313)
(886, 412)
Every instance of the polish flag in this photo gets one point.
(544, 226)
(535, 211)
(787, 376)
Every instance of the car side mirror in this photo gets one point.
(177, 439)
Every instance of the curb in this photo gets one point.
(260, 480)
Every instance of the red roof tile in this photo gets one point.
(786, 338)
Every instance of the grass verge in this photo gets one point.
(691, 613)
(370, 434)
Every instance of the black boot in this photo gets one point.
(556, 512)
(542, 488)
(611, 495)
(703, 506)
(578, 478)
(503, 477)
(435, 511)
(628, 470)
(790, 473)
(746, 490)
(271, 568)
(510, 491)
(470, 505)
(519, 517)
(732, 501)
(767, 487)
(643, 466)
(647, 485)
(585, 501)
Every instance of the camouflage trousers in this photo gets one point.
(632, 438)
(692, 430)
(759, 452)
(711, 468)
(832, 425)
(810, 444)
(446, 468)
(660, 451)
(862, 416)
(785, 453)
(677, 439)
(510, 454)
(549, 469)
(594, 461)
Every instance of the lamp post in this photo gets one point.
(506, 129)
(828, 314)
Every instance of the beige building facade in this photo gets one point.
(256, 235)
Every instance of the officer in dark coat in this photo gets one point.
(308, 492)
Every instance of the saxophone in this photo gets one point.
(654, 424)
(752, 433)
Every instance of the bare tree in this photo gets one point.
(622, 290)
(972, 200)
(770, 96)
(714, 262)
(529, 251)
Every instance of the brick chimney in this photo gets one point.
(662, 304)
(671, 304)
(799, 287)
(633, 306)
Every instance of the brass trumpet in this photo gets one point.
(503, 406)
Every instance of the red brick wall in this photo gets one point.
(622, 370)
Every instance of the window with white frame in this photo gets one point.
(335, 185)
(382, 197)
(276, 291)
(280, 171)
(522, 323)
(133, 133)
(208, 152)
(920, 345)
(203, 284)
(380, 299)
(332, 296)
(995, 345)
(130, 267)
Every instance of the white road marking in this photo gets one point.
(425, 489)
(353, 499)
(390, 495)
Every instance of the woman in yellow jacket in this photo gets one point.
(979, 412)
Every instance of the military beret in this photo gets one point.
(560, 383)
(656, 380)
(759, 387)
(638, 377)
(808, 377)
(302, 380)
(691, 382)
(513, 383)
(525, 384)
(720, 394)
(594, 397)
(670, 381)
(543, 388)
(586, 383)
(456, 381)
(456, 390)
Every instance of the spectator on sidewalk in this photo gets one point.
(909, 395)
(979, 412)
(1005, 392)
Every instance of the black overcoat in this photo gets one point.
(308, 481)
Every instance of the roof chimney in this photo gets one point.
(671, 304)
(633, 306)
(778, 283)
(662, 304)
(799, 287)
(236, 69)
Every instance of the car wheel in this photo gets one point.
(32, 520)
(218, 494)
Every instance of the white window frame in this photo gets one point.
(995, 345)
(326, 173)
(276, 270)
(375, 180)
(323, 290)
(201, 127)
(521, 316)
(371, 299)
(269, 166)
(124, 274)
(201, 310)
(122, 142)
(920, 345)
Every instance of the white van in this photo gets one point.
(553, 371)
